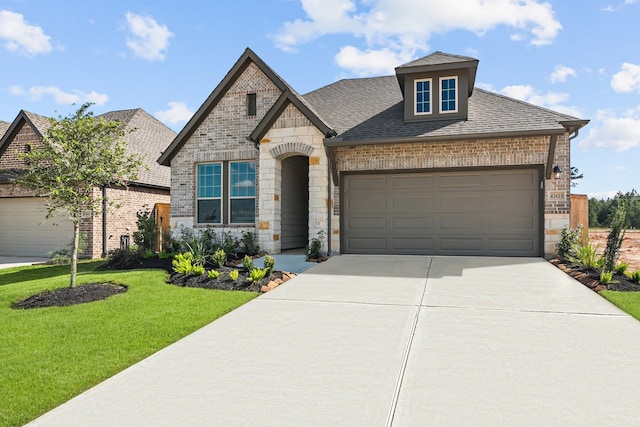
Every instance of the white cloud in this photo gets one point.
(149, 40)
(561, 73)
(178, 112)
(619, 168)
(404, 27)
(36, 93)
(244, 184)
(22, 37)
(369, 62)
(618, 132)
(552, 100)
(603, 195)
(627, 79)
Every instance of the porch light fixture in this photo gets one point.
(556, 172)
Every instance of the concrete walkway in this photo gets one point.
(380, 341)
(15, 261)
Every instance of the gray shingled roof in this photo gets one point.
(437, 58)
(41, 123)
(4, 126)
(371, 109)
(150, 139)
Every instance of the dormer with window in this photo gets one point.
(437, 87)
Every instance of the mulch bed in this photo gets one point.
(591, 277)
(70, 296)
(224, 282)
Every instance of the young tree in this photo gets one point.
(79, 154)
(575, 175)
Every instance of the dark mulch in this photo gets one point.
(591, 277)
(70, 296)
(223, 281)
(133, 262)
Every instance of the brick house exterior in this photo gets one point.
(314, 153)
(25, 133)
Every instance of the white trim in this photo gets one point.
(230, 197)
(415, 93)
(455, 78)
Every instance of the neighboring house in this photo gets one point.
(417, 163)
(23, 229)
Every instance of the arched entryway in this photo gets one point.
(294, 202)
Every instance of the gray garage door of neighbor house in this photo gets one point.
(23, 233)
(480, 212)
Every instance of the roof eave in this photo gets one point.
(13, 129)
(338, 142)
(574, 125)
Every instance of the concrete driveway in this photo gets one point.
(15, 261)
(380, 341)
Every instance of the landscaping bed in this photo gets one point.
(63, 297)
(224, 282)
(591, 277)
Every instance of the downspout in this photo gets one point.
(574, 134)
(104, 221)
(329, 207)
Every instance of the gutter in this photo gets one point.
(104, 221)
(329, 208)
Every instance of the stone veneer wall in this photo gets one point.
(292, 135)
(222, 136)
(470, 154)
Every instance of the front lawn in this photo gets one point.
(626, 301)
(49, 355)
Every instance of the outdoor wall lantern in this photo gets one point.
(556, 172)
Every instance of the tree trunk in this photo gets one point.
(74, 254)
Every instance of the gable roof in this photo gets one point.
(150, 138)
(370, 110)
(38, 123)
(438, 58)
(4, 126)
(288, 95)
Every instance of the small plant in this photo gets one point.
(586, 255)
(256, 274)
(148, 254)
(147, 235)
(218, 258)
(269, 264)
(213, 274)
(615, 237)
(314, 249)
(183, 263)
(197, 270)
(63, 255)
(621, 268)
(569, 237)
(635, 276)
(250, 243)
(233, 275)
(247, 263)
(605, 277)
(196, 249)
(164, 255)
(229, 244)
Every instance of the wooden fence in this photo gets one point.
(580, 213)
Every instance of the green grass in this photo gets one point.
(626, 301)
(49, 355)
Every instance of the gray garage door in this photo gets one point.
(486, 212)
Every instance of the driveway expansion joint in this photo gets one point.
(516, 310)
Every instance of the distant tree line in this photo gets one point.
(600, 210)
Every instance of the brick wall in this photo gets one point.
(25, 135)
(222, 136)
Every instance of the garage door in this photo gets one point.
(22, 232)
(486, 212)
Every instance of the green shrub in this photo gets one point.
(269, 264)
(247, 263)
(230, 244)
(218, 258)
(250, 243)
(183, 263)
(164, 255)
(621, 268)
(233, 275)
(314, 249)
(196, 249)
(615, 237)
(63, 255)
(605, 277)
(586, 255)
(569, 237)
(635, 276)
(197, 270)
(213, 274)
(256, 274)
(147, 235)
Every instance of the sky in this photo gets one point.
(577, 57)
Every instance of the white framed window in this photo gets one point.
(209, 192)
(449, 94)
(422, 92)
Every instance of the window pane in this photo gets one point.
(209, 180)
(209, 211)
(243, 210)
(243, 179)
(423, 96)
